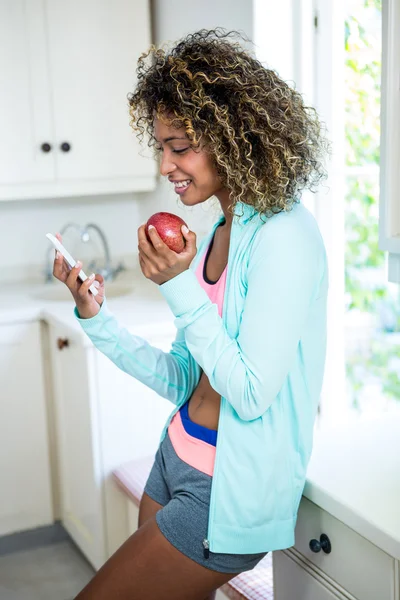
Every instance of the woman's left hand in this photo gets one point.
(157, 261)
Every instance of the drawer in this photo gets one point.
(293, 581)
(356, 564)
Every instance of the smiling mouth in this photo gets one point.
(181, 186)
(182, 183)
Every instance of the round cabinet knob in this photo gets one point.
(323, 544)
(65, 147)
(45, 147)
(62, 343)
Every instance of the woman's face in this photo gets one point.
(191, 172)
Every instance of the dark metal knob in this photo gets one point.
(62, 343)
(65, 147)
(323, 544)
(45, 147)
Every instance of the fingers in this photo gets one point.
(154, 247)
(60, 268)
(58, 264)
(72, 278)
(143, 243)
(100, 279)
(142, 233)
(155, 241)
(190, 238)
(57, 253)
(83, 290)
(145, 265)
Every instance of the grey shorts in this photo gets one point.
(184, 493)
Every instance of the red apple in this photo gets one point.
(168, 227)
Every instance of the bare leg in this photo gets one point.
(148, 566)
(148, 508)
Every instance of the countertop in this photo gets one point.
(354, 471)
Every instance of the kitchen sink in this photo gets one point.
(60, 293)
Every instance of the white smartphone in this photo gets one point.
(69, 260)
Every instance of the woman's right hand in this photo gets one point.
(87, 305)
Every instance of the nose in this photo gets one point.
(167, 164)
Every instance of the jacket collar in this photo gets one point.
(243, 211)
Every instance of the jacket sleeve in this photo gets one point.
(285, 268)
(173, 375)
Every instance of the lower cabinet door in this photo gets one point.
(25, 480)
(292, 581)
(78, 444)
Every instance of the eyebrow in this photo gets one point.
(168, 139)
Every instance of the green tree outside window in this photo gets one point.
(374, 367)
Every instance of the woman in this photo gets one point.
(246, 368)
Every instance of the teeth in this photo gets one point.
(180, 184)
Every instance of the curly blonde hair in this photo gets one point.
(266, 145)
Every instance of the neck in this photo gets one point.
(224, 200)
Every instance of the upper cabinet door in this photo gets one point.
(25, 109)
(93, 50)
(389, 217)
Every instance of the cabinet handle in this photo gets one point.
(65, 147)
(45, 147)
(323, 544)
(62, 343)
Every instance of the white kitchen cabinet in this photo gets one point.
(66, 69)
(292, 579)
(103, 418)
(354, 568)
(25, 100)
(389, 214)
(26, 494)
(78, 444)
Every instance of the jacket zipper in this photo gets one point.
(206, 549)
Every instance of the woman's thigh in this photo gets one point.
(147, 508)
(148, 566)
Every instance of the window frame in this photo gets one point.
(389, 205)
(328, 99)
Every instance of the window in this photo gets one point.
(331, 52)
(372, 323)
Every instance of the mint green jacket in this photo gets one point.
(265, 357)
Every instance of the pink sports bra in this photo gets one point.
(194, 450)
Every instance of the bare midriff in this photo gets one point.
(204, 404)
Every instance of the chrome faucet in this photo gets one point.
(107, 271)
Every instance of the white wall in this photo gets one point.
(176, 18)
(273, 39)
(23, 224)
